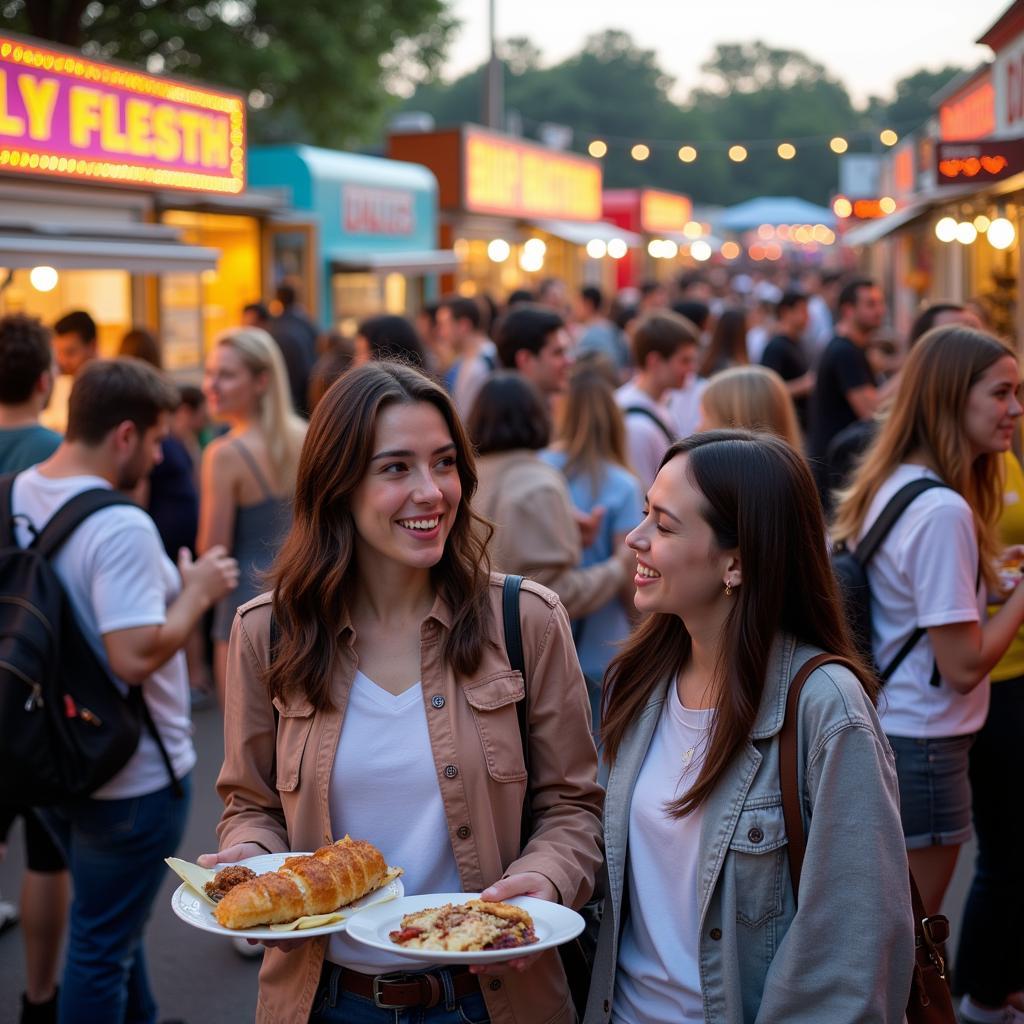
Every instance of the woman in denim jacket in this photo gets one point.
(700, 920)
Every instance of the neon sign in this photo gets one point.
(960, 162)
(67, 117)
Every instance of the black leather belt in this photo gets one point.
(401, 991)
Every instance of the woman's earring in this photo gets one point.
(728, 589)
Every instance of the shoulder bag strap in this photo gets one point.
(72, 514)
(6, 512)
(872, 541)
(792, 812)
(641, 411)
(897, 505)
(514, 649)
(929, 932)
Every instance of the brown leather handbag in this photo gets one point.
(929, 1000)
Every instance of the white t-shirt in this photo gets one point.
(924, 574)
(472, 376)
(384, 786)
(684, 405)
(646, 441)
(117, 576)
(658, 976)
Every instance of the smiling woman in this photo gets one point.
(951, 420)
(700, 920)
(388, 689)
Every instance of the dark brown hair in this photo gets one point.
(107, 392)
(508, 415)
(141, 344)
(663, 332)
(24, 357)
(315, 573)
(759, 498)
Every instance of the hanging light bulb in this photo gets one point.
(786, 150)
(640, 151)
(839, 144)
(945, 230)
(1001, 233)
(598, 148)
(737, 154)
(687, 154)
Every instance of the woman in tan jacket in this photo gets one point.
(389, 712)
(528, 502)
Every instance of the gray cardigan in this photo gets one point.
(847, 956)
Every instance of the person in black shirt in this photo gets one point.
(846, 389)
(785, 353)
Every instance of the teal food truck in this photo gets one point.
(375, 227)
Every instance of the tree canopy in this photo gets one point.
(312, 72)
(752, 92)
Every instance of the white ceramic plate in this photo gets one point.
(553, 923)
(196, 911)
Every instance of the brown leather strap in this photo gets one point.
(792, 792)
(407, 990)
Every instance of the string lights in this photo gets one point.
(738, 151)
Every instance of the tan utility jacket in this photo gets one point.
(535, 533)
(478, 756)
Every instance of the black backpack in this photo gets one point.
(850, 568)
(65, 728)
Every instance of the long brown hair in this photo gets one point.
(315, 572)
(728, 345)
(751, 398)
(592, 432)
(927, 417)
(759, 498)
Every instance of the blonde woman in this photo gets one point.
(248, 475)
(591, 453)
(750, 398)
(953, 416)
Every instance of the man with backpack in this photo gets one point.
(665, 349)
(132, 612)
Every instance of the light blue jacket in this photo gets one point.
(847, 956)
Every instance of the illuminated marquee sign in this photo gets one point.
(960, 162)
(971, 114)
(64, 116)
(664, 211)
(377, 211)
(520, 180)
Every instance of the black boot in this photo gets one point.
(39, 1013)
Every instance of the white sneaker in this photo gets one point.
(972, 1013)
(242, 948)
(8, 915)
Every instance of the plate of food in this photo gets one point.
(286, 895)
(460, 928)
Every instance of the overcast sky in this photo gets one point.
(868, 44)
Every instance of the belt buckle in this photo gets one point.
(387, 979)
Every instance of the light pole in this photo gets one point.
(494, 98)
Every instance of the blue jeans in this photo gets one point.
(115, 850)
(332, 1005)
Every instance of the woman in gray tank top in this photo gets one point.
(248, 475)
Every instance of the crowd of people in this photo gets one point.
(317, 541)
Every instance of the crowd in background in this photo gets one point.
(572, 402)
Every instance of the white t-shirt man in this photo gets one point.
(117, 576)
(924, 574)
(684, 404)
(646, 440)
(384, 784)
(658, 976)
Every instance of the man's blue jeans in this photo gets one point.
(115, 850)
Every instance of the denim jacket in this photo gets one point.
(847, 955)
